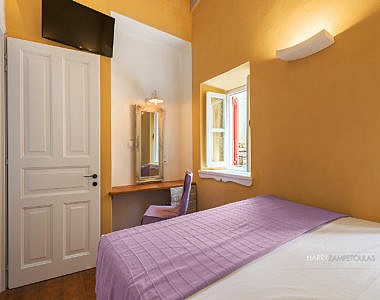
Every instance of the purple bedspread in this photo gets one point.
(175, 258)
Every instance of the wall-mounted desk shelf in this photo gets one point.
(125, 189)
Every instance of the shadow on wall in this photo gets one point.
(284, 24)
(321, 147)
(316, 121)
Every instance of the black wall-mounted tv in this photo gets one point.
(79, 26)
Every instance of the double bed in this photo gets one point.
(259, 248)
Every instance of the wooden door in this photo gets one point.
(53, 144)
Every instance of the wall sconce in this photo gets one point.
(316, 43)
(155, 99)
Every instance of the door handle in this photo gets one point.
(91, 176)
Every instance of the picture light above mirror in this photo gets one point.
(155, 98)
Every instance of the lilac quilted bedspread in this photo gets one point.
(175, 258)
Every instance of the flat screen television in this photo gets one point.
(79, 26)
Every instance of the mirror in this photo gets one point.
(149, 143)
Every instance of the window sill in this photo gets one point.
(243, 178)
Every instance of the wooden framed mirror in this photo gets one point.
(149, 143)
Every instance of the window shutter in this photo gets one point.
(216, 139)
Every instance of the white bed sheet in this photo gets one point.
(348, 267)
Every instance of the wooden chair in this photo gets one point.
(157, 213)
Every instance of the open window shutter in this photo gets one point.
(216, 129)
(248, 131)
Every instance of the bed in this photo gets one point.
(259, 248)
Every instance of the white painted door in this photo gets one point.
(53, 143)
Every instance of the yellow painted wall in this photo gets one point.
(316, 121)
(23, 20)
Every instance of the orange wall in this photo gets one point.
(23, 20)
(316, 121)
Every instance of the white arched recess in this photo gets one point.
(146, 59)
(2, 149)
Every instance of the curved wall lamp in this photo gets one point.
(316, 43)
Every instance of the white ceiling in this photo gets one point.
(232, 79)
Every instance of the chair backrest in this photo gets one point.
(183, 204)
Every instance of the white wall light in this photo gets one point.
(316, 43)
(155, 99)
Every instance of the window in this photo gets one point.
(239, 129)
(227, 130)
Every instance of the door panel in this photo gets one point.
(54, 218)
(37, 236)
(42, 181)
(35, 99)
(76, 86)
(77, 229)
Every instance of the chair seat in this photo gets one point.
(157, 213)
(164, 212)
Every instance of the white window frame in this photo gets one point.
(229, 148)
(156, 145)
(226, 164)
(210, 130)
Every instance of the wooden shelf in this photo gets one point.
(125, 189)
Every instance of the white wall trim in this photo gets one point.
(242, 178)
(3, 224)
(2, 17)
(132, 27)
